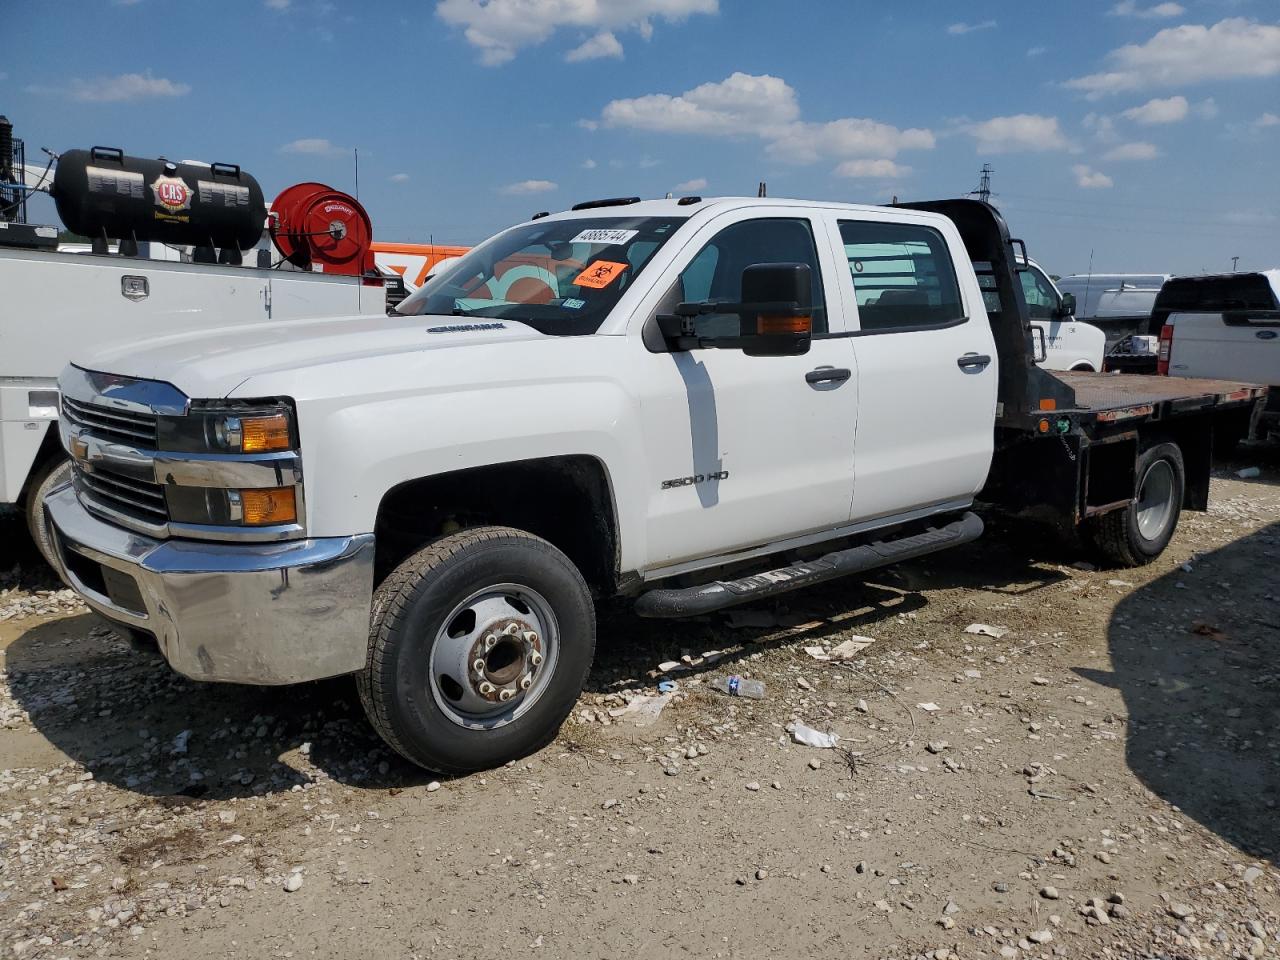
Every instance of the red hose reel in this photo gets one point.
(318, 228)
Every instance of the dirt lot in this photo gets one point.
(1100, 780)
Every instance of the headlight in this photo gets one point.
(262, 426)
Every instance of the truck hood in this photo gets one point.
(212, 363)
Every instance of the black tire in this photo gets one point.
(52, 473)
(420, 599)
(1119, 536)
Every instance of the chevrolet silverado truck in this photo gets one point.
(687, 403)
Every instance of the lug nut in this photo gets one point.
(489, 641)
(512, 629)
(530, 636)
(487, 688)
(535, 658)
(506, 695)
(525, 682)
(478, 666)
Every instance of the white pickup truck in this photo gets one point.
(692, 403)
(1225, 325)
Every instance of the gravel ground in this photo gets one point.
(1096, 775)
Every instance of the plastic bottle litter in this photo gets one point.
(739, 687)
(805, 734)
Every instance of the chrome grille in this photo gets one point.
(122, 496)
(109, 423)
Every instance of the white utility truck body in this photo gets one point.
(691, 402)
(57, 305)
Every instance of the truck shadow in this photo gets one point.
(1193, 655)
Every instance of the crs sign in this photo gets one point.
(172, 193)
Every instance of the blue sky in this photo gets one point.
(1145, 132)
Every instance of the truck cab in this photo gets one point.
(1065, 342)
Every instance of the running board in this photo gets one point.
(719, 594)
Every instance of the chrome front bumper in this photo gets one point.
(260, 613)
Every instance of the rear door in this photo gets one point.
(926, 365)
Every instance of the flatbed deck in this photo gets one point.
(1106, 395)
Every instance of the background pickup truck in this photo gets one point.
(1224, 326)
(690, 403)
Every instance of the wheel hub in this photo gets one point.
(493, 655)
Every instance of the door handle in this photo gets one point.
(973, 360)
(828, 375)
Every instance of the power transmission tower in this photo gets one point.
(983, 192)
(1234, 261)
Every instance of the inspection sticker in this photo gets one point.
(600, 236)
(599, 274)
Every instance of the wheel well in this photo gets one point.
(50, 450)
(565, 500)
(1083, 368)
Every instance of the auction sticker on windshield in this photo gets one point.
(599, 274)
(603, 236)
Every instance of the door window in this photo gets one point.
(715, 274)
(902, 274)
(1042, 300)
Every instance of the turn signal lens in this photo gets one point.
(264, 434)
(270, 506)
(770, 324)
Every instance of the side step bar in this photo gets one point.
(719, 594)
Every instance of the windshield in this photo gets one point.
(560, 277)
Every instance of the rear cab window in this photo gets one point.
(903, 277)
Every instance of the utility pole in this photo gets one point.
(1234, 261)
(983, 192)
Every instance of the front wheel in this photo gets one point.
(52, 473)
(1140, 532)
(478, 648)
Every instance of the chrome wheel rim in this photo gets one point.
(493, 656)
(1155, 500)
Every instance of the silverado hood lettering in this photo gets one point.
(213, 363)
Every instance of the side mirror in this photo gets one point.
(1068, 306)
(775, 314)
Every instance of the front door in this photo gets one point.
(744, 451)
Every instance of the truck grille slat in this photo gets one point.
(133, 498)
(111, 424)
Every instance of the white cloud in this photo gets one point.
(527, 187)
(1160, 11)
(1138, 150)
(316, 146)
(959, 29)
(603, 44)
(589, 164)
(1088, 178)
(1170, 110)
(501, 28)
(1020, 133)
(399, 178)
(1266, 120)
(1231, 48)
(697, 183)
(764, 107)
(122, 88)
(872, 169)
(1036, 51)
(277, 4)
(1250, 218)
